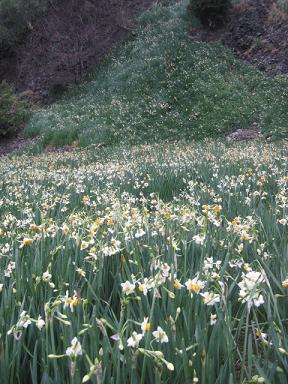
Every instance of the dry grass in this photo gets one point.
(278, 12)
(240, 6)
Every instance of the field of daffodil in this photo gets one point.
(151, 264)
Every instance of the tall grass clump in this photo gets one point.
(165, 85)
(13, 112)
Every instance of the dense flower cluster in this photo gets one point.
(132, 267)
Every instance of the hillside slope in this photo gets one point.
(163, 85)
(61, 40)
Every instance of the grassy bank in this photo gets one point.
(163, 85)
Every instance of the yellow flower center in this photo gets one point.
(168, 215)
(195, 287)
(75, 302)
(176, 285)
(216, 209)
(27, 241)
(205, 208)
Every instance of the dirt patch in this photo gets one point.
(66, 42)
(64, 148)
(9, 145)
(244, 134)
(257, 31)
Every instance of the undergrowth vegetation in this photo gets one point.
(151, 264)
(283, 4)
(165, 85)
(13, 112)
(212, 13)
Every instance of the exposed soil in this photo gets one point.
(257, 31)
(9, 145)
(244, 134)
(66, 42)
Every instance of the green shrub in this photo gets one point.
(283, 4)
(12, 111)
(212, 13)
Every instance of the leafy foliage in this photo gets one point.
(210, 12)
(283, 4)
(12, 111)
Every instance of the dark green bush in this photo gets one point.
(212, 13)
(12, 111)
